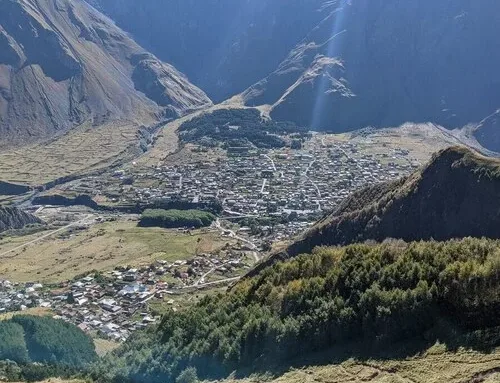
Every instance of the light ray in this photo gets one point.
(333, 50)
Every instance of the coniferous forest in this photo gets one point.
(40, 347)
(377, 294)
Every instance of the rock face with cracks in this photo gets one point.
(334, 65)
(63, 63)
(14, 218)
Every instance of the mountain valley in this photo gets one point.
(244, 191)
(344, 65)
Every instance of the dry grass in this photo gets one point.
(35, 311)
(421, 140)
(103, 346)
(460, 367)
(82, 150)
(101, 247)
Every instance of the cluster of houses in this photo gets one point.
(13, 298)
(251, 182)
(114, 304)
(261, 182)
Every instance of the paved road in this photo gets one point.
(312, 182)
(264, 181)
(272, 162)
(232, 234)
(81, 222)
(213, 269)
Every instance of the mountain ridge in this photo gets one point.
(64, 63)
(334, 65)
(426, 205)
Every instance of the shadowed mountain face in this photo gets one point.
(14, 218)
(223, 45)
(384, 62)
(427, 205)
(333, 65)
(63, 63)
(455, 196)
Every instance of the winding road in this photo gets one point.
(312, 182)
(232, 234)
(272, 162)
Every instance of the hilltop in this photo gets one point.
(455, 195)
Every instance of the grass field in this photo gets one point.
(36, 311)
(82, 150)
(421, 141)
(438, 366)
(100, 247)
(103, 346)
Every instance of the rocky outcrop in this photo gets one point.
(487, 132)
(14, 218)
(166, 86)
(63, 63)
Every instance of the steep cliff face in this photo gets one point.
(224, 46)
(456, 195)
(487, 132)
(63, 63)
(384, 62)
(333, 65)
(13, 218)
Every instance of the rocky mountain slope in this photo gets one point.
(382, 63)
(456, 195)
(224, 46)
(63, 63)
(334, 64)
(14, 218)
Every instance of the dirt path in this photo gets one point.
(64, 228)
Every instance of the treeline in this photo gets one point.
(38, 347)
(176, 218)
(377, 294)
(239, 127)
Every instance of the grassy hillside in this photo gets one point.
(360, 301)
(435, 366)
